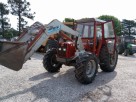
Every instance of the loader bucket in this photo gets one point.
(12, 54)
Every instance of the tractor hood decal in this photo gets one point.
(53, 29)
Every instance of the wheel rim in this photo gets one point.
(91, 67)
(54, 62)
(113, 59)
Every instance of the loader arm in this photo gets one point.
(52, 28)
(30, 41)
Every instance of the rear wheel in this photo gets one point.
(86, 68)
(50, 63)
(107, 61)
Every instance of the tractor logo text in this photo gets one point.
(54, 29)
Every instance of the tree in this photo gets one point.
(69, 20)
(117, 23)
(128, 26)
(3, 19)
(10, 33)
(21, 9)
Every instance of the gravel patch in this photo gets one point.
(34, 84)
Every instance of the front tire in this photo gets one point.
(50, 63)
(86, 68)
(108, 62)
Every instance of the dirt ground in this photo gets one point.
(34, 84)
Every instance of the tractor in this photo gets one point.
(93, 43)
(127, 45)
(99, 42)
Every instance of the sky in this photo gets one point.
(47, 10)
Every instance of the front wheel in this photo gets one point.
(107, 61)
(50, 63)
(86, 68)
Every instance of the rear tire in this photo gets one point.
(86, 68)
(50, 63)
(107, 62)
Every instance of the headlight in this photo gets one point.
(59, 49)
(64, 49)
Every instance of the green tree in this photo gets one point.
(21, 9)
(10, 33)
(116, 21)
(69, 20)
(128, 26)
(3, 19)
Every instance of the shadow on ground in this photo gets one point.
(62, 87)
(128, 56)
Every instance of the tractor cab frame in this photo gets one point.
(95, 33)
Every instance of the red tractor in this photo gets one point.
(93, 42)
(99, 42)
